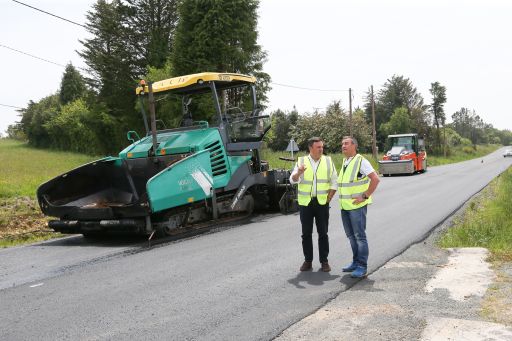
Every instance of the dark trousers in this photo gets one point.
(320, 214)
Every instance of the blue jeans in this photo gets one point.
(354, 223)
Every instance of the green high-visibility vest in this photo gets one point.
(350, 186)
(323, 180)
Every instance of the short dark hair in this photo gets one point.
(314, 139)
(354, 141)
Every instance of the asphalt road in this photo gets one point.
(240, 283)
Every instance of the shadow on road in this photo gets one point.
(312, 278)
(364, 284)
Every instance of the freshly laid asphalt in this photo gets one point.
(426, 294)
(239, 283)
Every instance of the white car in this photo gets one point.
(508, 152)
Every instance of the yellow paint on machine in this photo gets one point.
(184, 81)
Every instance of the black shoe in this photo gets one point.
(306, 266)
(325, 267)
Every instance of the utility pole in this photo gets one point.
(350, 111)
(445, 142)
(374, 139)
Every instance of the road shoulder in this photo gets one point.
(426, 293)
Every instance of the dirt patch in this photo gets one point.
(497, 305)
(21, 218)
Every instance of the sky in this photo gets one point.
(325, 46)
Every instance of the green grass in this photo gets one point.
(273, 159)
(28, 238)
(23, 168)
(487, 222)
(462, 154)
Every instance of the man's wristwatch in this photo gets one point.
(365, 197)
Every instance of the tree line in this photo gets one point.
(399, 108)
(141, 39)
(157, 39)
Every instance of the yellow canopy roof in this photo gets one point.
(198, 82)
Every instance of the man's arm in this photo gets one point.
(296, 176)
(334, 183)
(374, 181)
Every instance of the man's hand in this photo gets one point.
(358, 200)
(330, 194)
(301, 169)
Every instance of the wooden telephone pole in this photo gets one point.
(350, 111)
(374, 132)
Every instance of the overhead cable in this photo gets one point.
(31, 55)
(10, 106)
(43, 59)
(311, 89)
(53, 15)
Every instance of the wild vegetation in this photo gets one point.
(22, 170)
(487, 222)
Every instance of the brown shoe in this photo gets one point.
(326, 267)
(306, 266)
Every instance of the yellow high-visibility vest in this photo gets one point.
(350, 186)
(323, 180)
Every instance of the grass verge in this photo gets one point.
(462, 154)
(487, 222)
(22, 170)
(22, 222)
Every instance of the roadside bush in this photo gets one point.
(468, 150)
(331, 126)
(68, 130)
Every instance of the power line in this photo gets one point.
(31, 55)
(10, 106)
(279, 84)
(310, 89)
(43, 59)
(75, 23)
(53, 15)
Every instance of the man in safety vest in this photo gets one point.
(316, 177)
(356, 183)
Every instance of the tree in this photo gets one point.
(471, 126)
(279, 135)
(67, 130)
(399, 123)
(153, 23)
(72, 85)
(398, 92)
(112, 60)
(15, 132)
(36, 116)
(437, 109)
(331, 126)
(220, 36)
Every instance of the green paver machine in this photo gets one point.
(171, 179)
